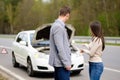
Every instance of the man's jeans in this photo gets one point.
(95, 70)
(61, 73)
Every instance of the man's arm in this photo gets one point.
(58, 38)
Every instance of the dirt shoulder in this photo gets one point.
(5, 76)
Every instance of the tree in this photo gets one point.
(8, 9)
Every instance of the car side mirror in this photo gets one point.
(23, 43)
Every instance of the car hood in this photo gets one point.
(43, 32)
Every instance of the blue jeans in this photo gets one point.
(95, 70)
(61, 73)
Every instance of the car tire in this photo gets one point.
(14, 62)
(30, 68)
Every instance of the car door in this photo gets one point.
(21, 51)
(17, 47)
(25, 49)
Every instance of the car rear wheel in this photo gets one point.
(14, 62)
(29, 68)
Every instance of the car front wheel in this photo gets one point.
(14, 62)
(29, 68)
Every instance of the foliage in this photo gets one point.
(17, 15)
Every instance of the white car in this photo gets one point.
(31, 49)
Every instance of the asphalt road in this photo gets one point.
(111, 59)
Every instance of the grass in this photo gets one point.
(7, 36)
(2, 77)
(113, 44)
(13, 36)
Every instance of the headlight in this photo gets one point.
(73, 41)
(39, 55)
(36, 55)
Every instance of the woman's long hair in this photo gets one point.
(97, 31)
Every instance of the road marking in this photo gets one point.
(5, 47)
(114, 70)
(11, 73)
(106, 68)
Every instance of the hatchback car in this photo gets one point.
(31, 49)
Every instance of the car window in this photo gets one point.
(19, 38)
(22, 37)
(31, 37)
(25, 37)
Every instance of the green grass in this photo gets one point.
(13, 36)
(113, 44)
(7, 36)
(2, 77)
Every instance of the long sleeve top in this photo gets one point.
(59, 45)
(94, 50)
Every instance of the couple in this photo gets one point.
(60, 52)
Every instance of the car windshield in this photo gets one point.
(42, 43)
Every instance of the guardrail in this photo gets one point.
(115, 40)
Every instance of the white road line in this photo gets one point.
(109, 69)
(5, 47)
(11, 73)
(114, 70)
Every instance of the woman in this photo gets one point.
(95, 50)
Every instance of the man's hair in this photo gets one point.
(64, 10)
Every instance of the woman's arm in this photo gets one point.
(93, 46)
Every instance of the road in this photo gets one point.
(111, 58)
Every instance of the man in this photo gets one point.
(60, 52)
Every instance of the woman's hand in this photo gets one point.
(81, 51)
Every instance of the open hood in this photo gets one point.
(43, 32)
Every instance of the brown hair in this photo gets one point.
(97, 31)
(64, 10)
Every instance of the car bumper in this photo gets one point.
(41, 64)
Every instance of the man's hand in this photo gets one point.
(68, 67)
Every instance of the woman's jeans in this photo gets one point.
(95, 70)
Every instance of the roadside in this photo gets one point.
(5, 76)
(2, 77)
(114, 41)
(8, 75)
